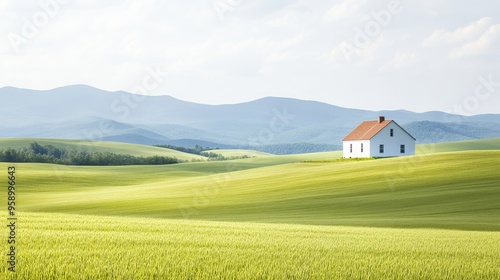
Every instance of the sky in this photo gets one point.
(420, 56)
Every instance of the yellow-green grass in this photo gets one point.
(483, 144)
(97, 146)
(294, 158)
(68, 246)
(457, 190)
(432, 216)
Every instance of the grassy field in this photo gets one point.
(431, 216)
(473, 145)
(442, 190)
(68, 246)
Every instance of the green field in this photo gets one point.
(67, 246)
(431, 216)
(485, 144)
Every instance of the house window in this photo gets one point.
(402, 149)
(351, 148)
(392, 132)
(381, 149)
(361, 147)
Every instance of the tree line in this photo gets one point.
(37, 153)
(202, 151)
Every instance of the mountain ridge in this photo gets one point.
(79, 111)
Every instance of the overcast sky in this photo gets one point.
(380, 54)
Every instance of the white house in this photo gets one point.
(380, 138)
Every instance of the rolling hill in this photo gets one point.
(434, 216)
(472, 145)
(428, 191)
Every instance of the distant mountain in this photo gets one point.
(83, 112)
(434, 132)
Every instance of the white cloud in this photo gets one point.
(272, 62)
(442, 37)
(405, 59)
(4, 5)
(489, 42)
(344, 9)
(376, 49)
(347, 53)
(286, 47)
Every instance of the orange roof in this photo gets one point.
(366, 130)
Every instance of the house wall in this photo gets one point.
(356, 149)
(393, 144)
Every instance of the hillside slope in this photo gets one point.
(472, 145)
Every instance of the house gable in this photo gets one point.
(397, 126)
(382, 138)
(368, 129)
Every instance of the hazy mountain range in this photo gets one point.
(83, 112)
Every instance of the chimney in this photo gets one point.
(381, 119)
